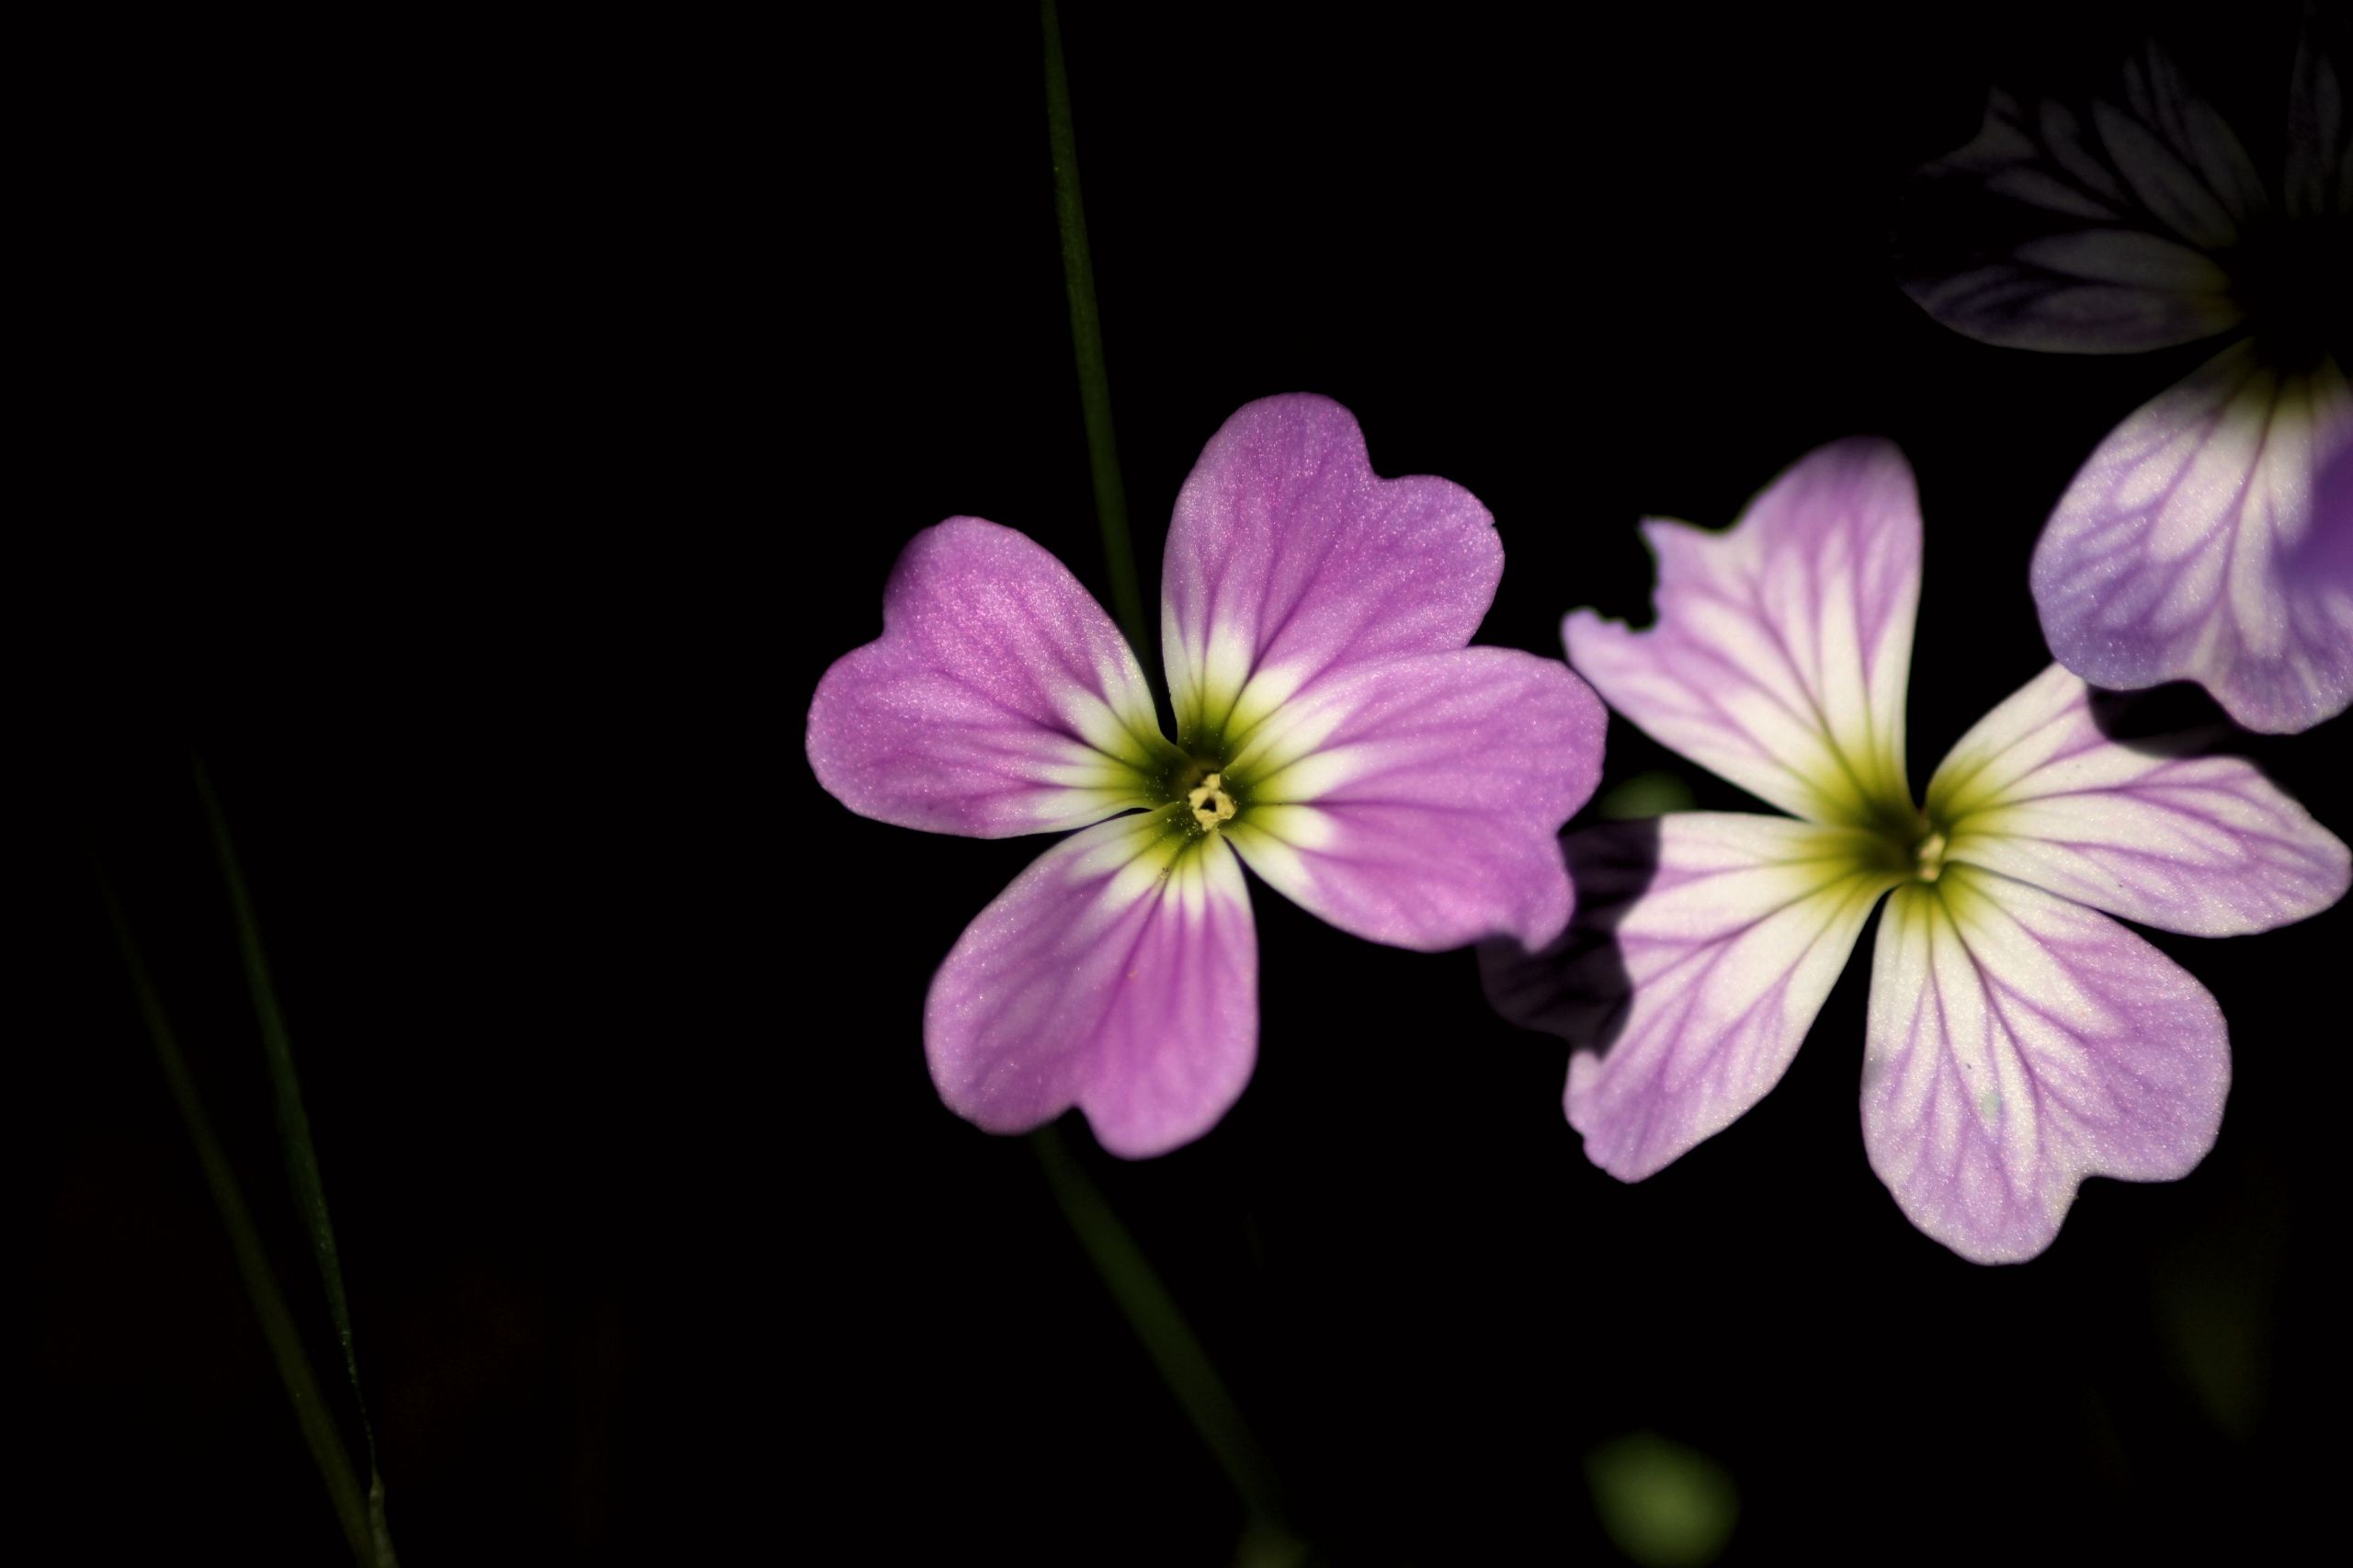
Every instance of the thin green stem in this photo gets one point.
(1184, 1366)
(294, 1139)
(253, 1264)
(1087, 341)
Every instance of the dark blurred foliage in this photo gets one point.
(477, 442)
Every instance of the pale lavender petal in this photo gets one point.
(999, 698)
(1289, 557)
(1783, 644)
(1419, 801)
(2018, 1043)
(1118, 974)
(1703, 945)
(2150, 831)
(2085, 228)
(2196, 544)
(2320, 131)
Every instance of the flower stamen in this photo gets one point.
(1928, 858)
(1210, 803)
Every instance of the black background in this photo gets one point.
(480, 446)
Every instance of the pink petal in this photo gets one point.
(2197, 543)
(1419, 801)
(2084, 228)
(2149, 831)
(2019, 1043)
(1118, 974)
(1289, 557)
(999, 698)
(1703, 945)
(1782, 644)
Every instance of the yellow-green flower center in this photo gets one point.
(1202, 792)
(1914, 851)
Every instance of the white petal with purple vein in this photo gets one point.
(1782, 644)
(1703, 946)
(2148, 830)
(2018, 1043)
(2196, 544)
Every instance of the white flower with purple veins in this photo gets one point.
(2019, 1038)
(2210, 537)
(1334, 733)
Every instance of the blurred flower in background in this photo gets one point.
(2210, 537)
(1663, 1504)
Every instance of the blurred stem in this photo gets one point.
(253, 1266)
(1087, 341)
(294, 1139)
(1184, 1366)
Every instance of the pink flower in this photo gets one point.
(1333, 733)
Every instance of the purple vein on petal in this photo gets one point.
(2018, 1043)
(2198, 542)
(1783, 645)
(1703, 946)
(1118, 974)
(1288, 558)
(1417, 800)
(999, 700)
(2084, 227)
(2150, 830)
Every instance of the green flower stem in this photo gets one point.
(1184, 1366)
(301, 1154)
(1087, 342)
(253, 1264)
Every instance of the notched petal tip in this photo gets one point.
(2019, 1043)
(2208, 539)
(999, 700)
(1780, 647)
(1119, 974)
(2157, 829)
(1288, 558)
